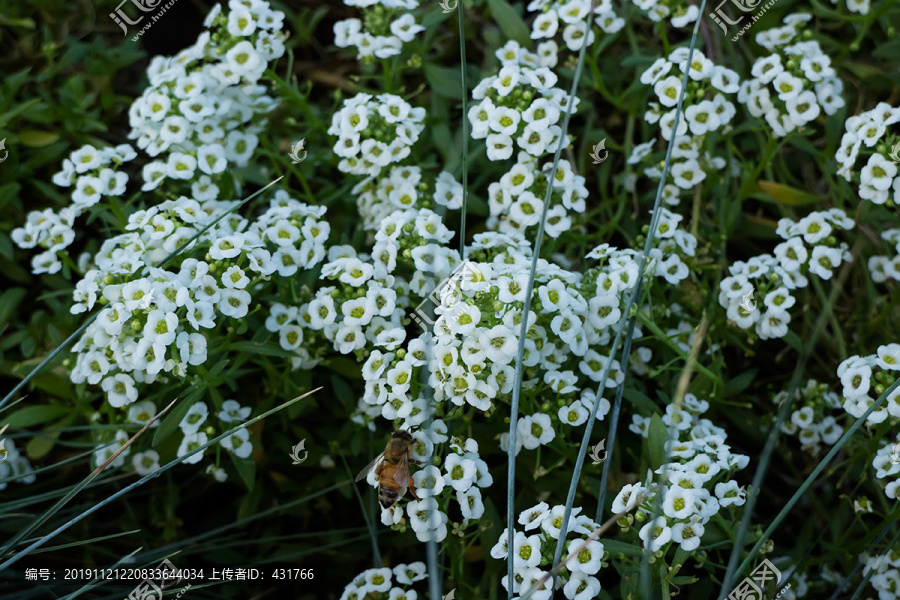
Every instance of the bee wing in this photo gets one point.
(370, 466)
(401, 475)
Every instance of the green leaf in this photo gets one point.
(793, 340)
(35, 415)
(785, 194)
(246, 468)
(444, 81)
(511, 24)
(9, 302)
(890, 49)
(616, 547)
(657, 439)
(343, 392)
(740, 383)
(250, 503)
(170, 423)
(39, 447)
(37, 139)
(265, 349)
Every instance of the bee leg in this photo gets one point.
(412, 488)
(416, 462)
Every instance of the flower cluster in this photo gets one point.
(883, 268)
(705, 108)
(572, 16)
(463, 477)
(520, 104)
(94, 174)
(381, 34)
(879, 177)
(795, 83)
(810, 420)
(809, 248)
(516, 202)
(697, 481)
(152, 325)
(379, 584)
(402, 188)
(14, 464)
(534, 548)
(861, 376)
(886, 577)
(201, 105)
(856, 6)
(374, 132)
(230, 414)
(682, 14)
(887, 464)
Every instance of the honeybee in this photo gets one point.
(392, 469)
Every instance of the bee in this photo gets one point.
(392, 469)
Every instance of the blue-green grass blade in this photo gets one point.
(812, 476)
(144, 480)
(775, 431)
(517, 381)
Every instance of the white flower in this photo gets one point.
(526, 550)
(535, 430)
(191, 442)
(194, 418)
(238, 443)
(141, 413)
(581, 586)
(461, 472)
(232, 412)
(688, 534)
(120, 390)
(655, 534)
(668, 90)
(145, 462)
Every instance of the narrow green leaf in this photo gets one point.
(170, 423)
(35, 415)
(246, 468)
(443, 81)
(740, 383)
(38, 447)
(511, 24)
(616, 547)
(37, 139)
(785, 194)
(657, 439)
(264, 349)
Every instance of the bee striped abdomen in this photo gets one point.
(387, 497)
